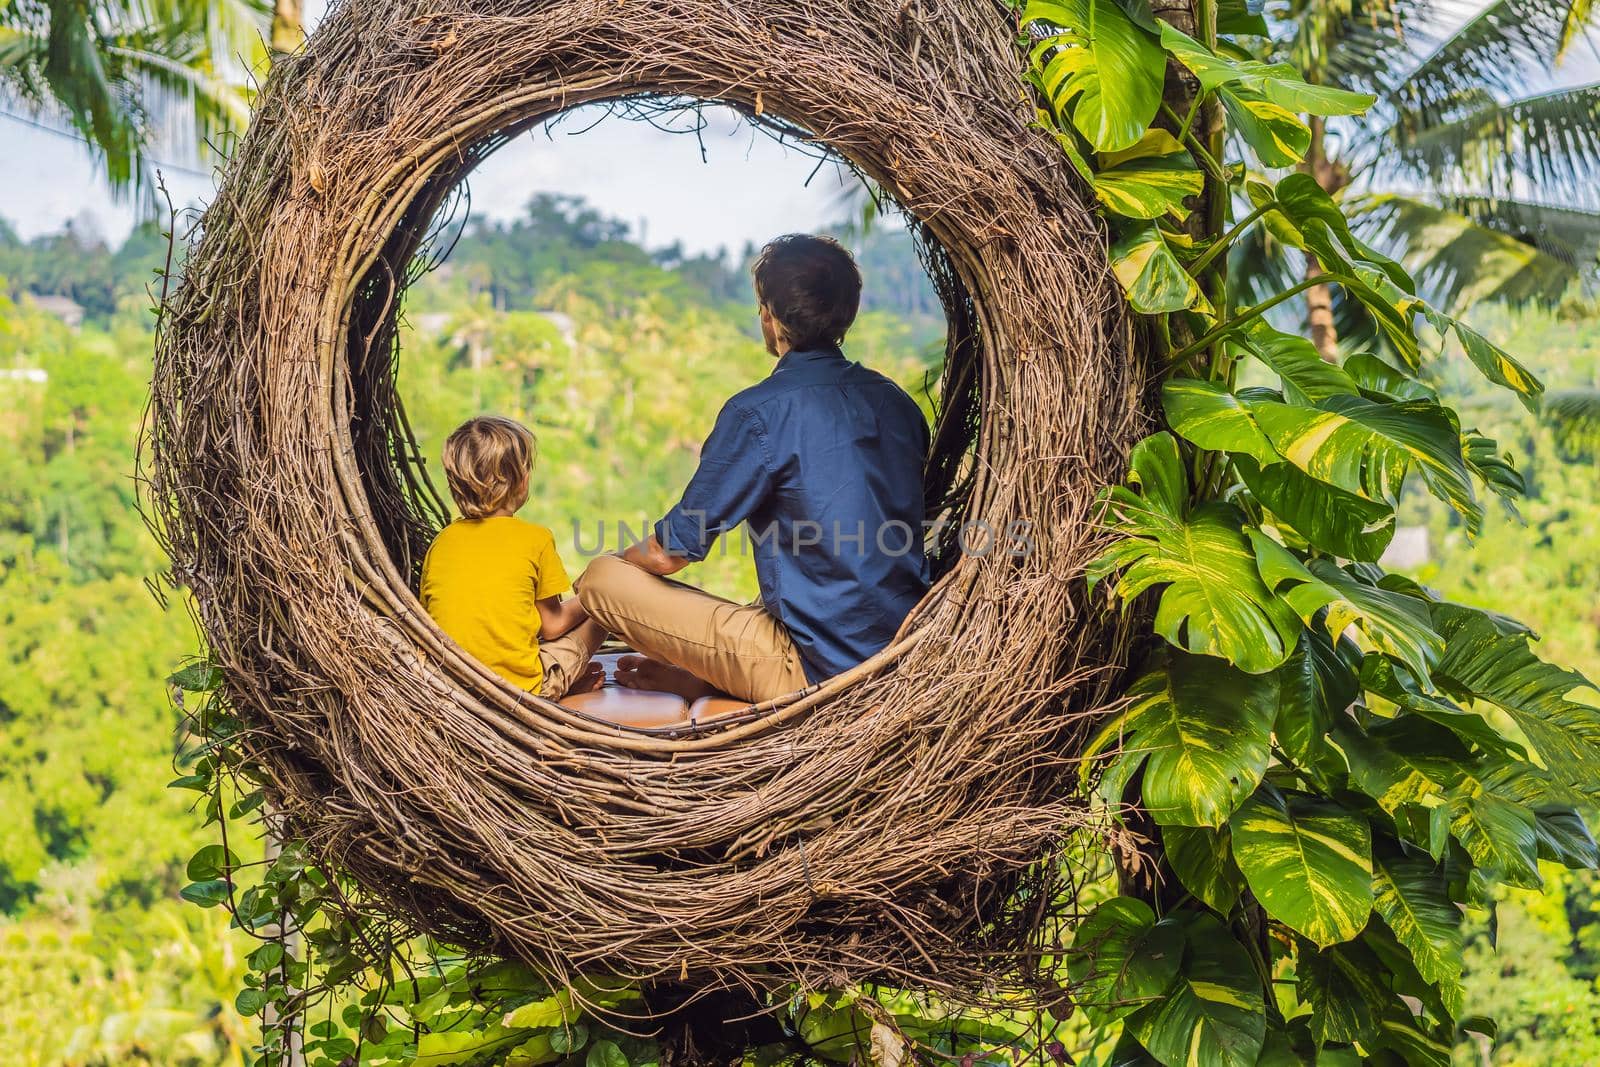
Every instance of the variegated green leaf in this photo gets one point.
(1564, 838)
(1499, 835)
(1495, 363)
(1414, 900)
(1122, 958)
(1207, 414)
(1099, 68)
(1380, 381)
(1316, 686)
(1202, 858)
(1214, 1015)
(1278, 82)
(1367, 448)
(1306, 376)
(1309, 863)
(1149, 187)
(1485, 663)
(1401, 1034)
(1202, 756)
(1273, 132)
(1335, 521)
(1156, 283)
(1343, 987)
(1394, 622)
(1409, 760)
(1213, 600)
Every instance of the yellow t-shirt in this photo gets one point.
(481, 582)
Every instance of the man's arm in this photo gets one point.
(651, 556)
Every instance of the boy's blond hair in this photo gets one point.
(487, 461)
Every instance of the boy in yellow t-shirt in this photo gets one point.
(494, 582)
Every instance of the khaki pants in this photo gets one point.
(564, 658)
(739, 648)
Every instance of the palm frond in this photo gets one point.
(1579, 13)
(1550, 140)
(1570, 234)
(1457, 261)
(1574, 415)
(1496, 48)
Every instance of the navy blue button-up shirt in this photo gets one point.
(823, 460)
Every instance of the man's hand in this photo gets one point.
(652, 557)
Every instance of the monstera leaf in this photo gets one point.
(1202, 756)
(1122, 958)
(1495, 363)
(1366, 448)
(1308, 861)
(1483, 662)
(1214, 1015)
(1316, 686)
(1213, 600)
(1098, 67)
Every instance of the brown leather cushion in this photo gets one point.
(646, 708)
(631, 707)
(709, 709)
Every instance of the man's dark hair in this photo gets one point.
(812, 287)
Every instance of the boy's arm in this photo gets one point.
(559, 617)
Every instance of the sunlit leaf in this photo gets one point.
(1099, 68)
(1156, 283)
(1202, 757)
(1308, 861)
(1210, 416)
(1213, 600)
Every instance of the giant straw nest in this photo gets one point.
(895, 824)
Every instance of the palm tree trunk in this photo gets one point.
(288, 28)
(1319, 298)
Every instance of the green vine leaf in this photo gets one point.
(1395, 622)
(1202, 858)
(1483, 662)
(1202, 757)
(1414, 900)
(1338, 522)
(1099, 67)
(1156, 283)
(1276, 134)
(1408, 760)
(1149, 180)
(1306, 376)
(1367, 448)
(1214, 601)
(1500, 836)
(1564, 838)
(1343, 988)
(1308, 861)
(1316, 686)
(1122, 958)
(1207, 414)
(1215, 1014)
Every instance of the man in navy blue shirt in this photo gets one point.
(822, 460)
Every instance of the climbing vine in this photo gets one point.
(1334, 762)
(1331, 763)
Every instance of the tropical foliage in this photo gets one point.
(126, 74)
(1340, 761)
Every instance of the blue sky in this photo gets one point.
(748, 189)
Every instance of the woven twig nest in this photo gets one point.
(876, 828)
